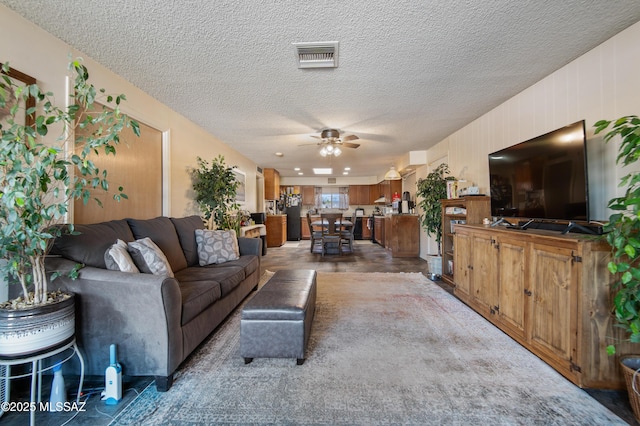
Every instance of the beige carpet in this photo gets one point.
(384, 349)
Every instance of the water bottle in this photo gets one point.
(58, 392)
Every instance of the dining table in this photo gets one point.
(345, 224)
(319, 222)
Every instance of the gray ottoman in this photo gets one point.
(276, 322)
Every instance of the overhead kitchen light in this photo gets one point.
(321, 171)
(392, 174)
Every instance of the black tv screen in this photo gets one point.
(542, 178)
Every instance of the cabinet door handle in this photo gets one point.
(527, 292)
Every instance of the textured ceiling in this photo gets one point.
(410, 72)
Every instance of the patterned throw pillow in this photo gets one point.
(216, 246)
(149, 258)
(117, 258)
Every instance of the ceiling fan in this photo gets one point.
(331, 143)
(332, 137)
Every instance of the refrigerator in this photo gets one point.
(294, 233)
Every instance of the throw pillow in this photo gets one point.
(216, 246)
(117, 258)
(149, 258)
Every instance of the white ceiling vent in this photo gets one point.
(322, 54)
(331, 180)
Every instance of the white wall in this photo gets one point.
(602, 84)
(35, 52)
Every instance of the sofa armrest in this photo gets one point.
(250, 246)
(140, 313)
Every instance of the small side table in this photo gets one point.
(37, 369)
(256, 231)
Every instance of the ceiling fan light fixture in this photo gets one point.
(337, 151)
(392, 174)
(323, 151)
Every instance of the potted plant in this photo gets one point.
(216, 187)
(623, 235)
(430, 191)
(39, 178)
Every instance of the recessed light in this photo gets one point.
(300, 173)
(297, 169)
(347, 168)
(325, 171)
(345, 173)
(279, 154)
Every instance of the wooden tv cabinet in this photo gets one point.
(549, 292)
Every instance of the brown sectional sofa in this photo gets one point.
(155, 321)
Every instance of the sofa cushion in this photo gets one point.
(216, 246)
(185, 228)
(149, 258)
(117, 258)
(196, 297)
(163, 233)
(248, 263)
(229, 276)
(92, 242)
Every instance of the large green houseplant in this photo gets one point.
(623, 228)
(430, 191)
(216, 188)
(41, 175)
(623, 235)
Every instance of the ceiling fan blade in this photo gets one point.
(350, 138)
(315, 136)
(350, 145)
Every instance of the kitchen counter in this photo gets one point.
(399, 233)
(276, 225)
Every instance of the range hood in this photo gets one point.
(382, 200)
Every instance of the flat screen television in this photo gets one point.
(542, 178)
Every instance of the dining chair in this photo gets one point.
(346, 233)
(316, 235)
(332, 236)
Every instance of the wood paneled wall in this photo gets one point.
(601, 84)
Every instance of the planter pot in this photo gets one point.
(29, 331)
(630, 365)
(435, 266)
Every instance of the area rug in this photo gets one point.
(384, 349)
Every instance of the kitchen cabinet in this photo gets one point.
(358, 195)
(271, 184)
(305, 233)
(304, 227)
(387, 232)
(398, 233)
(549, 292)
(469, 210)
(366, 231)
(276, 230)
(378, 223)
(308, 195)
(402, 235)
(387, 188)
(374, 193)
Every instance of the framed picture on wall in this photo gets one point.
(19, 79)
(241, 178)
